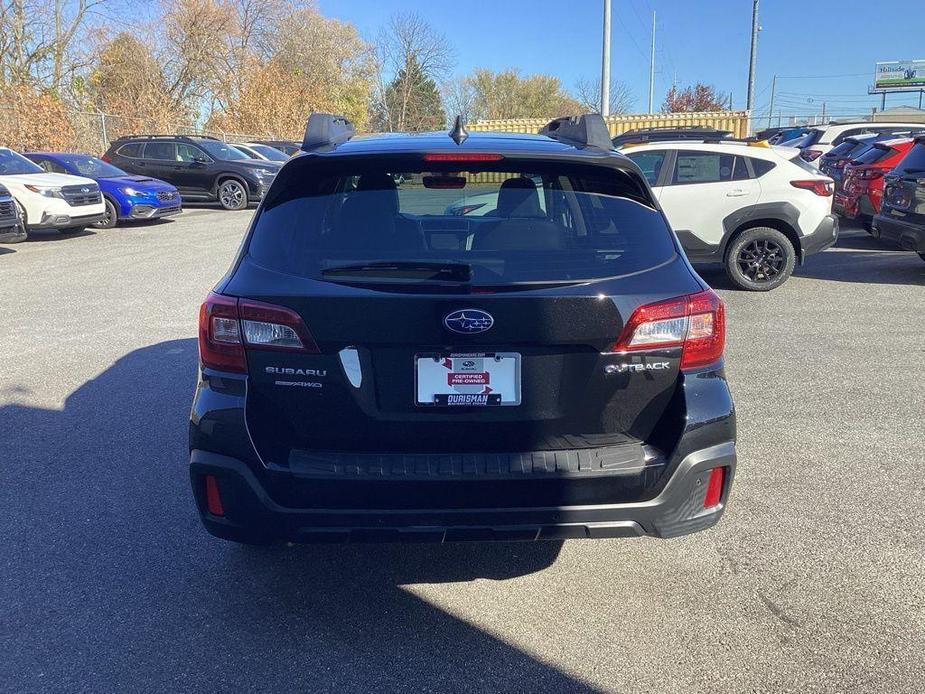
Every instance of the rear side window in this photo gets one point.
(160, 150)
(762, 166)
(132, 150)
(650, 163)
(707, 167)
(509, 223)
(914, 161)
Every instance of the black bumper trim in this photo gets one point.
(904, 235)
(822, 237)
(252, 516)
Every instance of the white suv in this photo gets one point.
(50, 200)
(757, 209)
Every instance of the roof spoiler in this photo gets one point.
(588, 130)
(326, 130)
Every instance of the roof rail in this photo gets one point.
(588, 130)
(326, 130)
(189, 138)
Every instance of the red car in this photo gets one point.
(862, 186)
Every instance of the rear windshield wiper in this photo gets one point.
(402, 270)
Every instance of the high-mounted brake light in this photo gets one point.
(227, 324)
(694, 322)
(819, 186)
(467, 156)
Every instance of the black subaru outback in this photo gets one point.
(385, 362)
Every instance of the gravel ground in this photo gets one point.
(813, 582)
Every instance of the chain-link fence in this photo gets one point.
(34, 128)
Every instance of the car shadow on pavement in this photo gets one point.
(54, 235)
(111, 584)
(4, 250)
(857, 258)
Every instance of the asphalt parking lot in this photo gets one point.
(813, 582)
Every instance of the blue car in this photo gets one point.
(127, 197)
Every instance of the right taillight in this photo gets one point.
(227, 324)
(695, 322)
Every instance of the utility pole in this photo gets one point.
(605, 63)
(652, 67)
(823, 112)
(771, 107)
(749, 102)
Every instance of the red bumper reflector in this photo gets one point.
(213, 497)
(714, 487)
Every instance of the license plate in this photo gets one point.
(467, 380)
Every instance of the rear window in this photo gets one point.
(840, 150)
(539, 222)
(914, 161)
(873, 155)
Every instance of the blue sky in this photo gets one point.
(706, 40)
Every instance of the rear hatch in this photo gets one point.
(904, 187)
(427, 332)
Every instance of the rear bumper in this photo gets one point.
(909, 237)
(251, 515)
(822, 237)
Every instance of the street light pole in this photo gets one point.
(605, 63)
(652, 67)
(750, 100)
(771, 107)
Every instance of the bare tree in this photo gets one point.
(588, 95)
(409, 54)
(38, 40)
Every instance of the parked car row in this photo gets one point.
(879, 175)
(140, 177)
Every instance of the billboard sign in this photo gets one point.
(899, 75)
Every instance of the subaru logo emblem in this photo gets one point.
(468, 321)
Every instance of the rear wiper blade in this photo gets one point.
(404, 270)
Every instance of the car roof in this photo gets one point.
(762, 152)
(396, 143)
(509, 144)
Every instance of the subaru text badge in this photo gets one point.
(468, 321)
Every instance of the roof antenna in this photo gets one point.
(459, 132)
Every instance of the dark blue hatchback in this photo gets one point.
(127, 197)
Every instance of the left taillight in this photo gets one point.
(220, 345)
(694, 322)
(820, 186)
(228, 324)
